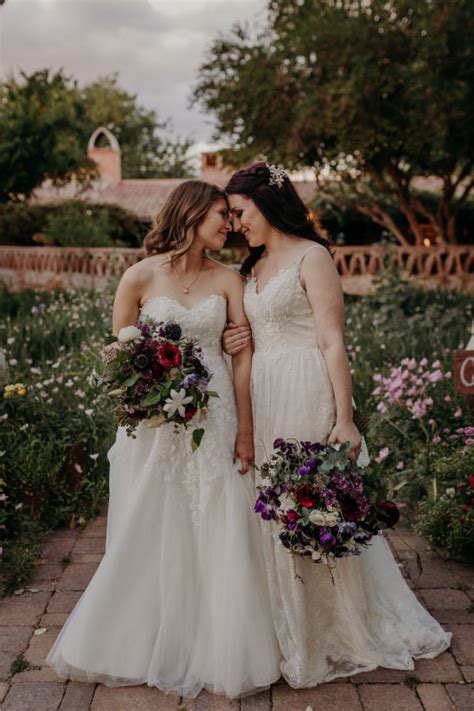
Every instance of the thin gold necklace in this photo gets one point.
(185, 287)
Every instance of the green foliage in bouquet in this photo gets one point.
(155, 375)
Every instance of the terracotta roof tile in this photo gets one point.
(142, 197)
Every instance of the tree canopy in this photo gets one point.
(372, 94)
(47, 119)
(41, 133)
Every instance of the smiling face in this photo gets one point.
(248, 220)
(213, 230)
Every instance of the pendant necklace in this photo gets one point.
(185, 287)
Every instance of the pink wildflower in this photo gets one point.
(383, 454)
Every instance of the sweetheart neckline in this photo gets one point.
(183, 306)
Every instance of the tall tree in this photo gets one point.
(373, 94)
(148, 150)
(46, 121)
(41, 133)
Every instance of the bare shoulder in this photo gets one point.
(318, 257)
(139, 274)
(228, 276)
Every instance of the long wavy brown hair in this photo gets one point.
(179, 218)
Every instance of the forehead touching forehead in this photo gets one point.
(237, 202)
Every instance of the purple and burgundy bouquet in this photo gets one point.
(319, 498)
(156, 375)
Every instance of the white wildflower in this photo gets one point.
(177, 402)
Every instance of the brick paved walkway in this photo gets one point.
(30, 622)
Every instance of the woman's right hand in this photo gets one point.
(235, 338)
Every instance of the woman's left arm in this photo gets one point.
(322, 283)
(241, 367)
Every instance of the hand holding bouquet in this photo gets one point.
(157, 376)
(319, 498)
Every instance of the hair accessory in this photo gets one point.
(277, 175)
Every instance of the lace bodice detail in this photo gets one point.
(203, 322)
(280, 315)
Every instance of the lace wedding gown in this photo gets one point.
(180, 599)
(369, 617)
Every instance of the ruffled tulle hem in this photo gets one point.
(188, 689)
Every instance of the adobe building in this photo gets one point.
(144, 197)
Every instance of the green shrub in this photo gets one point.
(448, 523)
(76, 226)
(21, 223)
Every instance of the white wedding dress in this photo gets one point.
(180, 600)
(369, 617)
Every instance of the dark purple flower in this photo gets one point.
(278, 442)
(141, 361)
(263, 509)
(326, 538)
(171, 331)
(304, 470)
(144, 328)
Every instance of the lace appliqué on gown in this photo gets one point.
(369, 617)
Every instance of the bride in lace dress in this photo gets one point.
(180, 600)
(301, 388)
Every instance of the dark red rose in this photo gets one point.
(350, 509)
(292, 515)
(471, 482)
(387, 512)
(189, 411)
(168, 355)
(157, 370)
(304, 497)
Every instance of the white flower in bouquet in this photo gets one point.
(323, 518)
(332, 517)
(177, 402)
(129, 333)
(317, 518)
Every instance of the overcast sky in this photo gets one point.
(155, 45)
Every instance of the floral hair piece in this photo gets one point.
(277, 175)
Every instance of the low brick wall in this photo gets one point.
(60, 267)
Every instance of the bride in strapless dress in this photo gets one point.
(180, 600)
(301, 388)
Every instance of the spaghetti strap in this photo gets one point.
(300, 263)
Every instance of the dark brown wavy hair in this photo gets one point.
(281, 206)
(180, 216)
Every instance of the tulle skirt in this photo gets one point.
(180, 600)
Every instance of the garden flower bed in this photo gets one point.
(57, 430)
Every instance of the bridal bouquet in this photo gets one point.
(319, 498)
(156, 375)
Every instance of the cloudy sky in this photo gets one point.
(155, 45)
